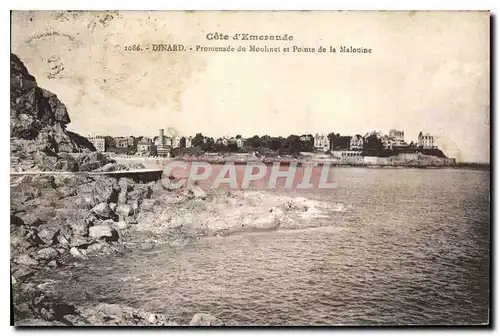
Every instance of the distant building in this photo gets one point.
(162, 144)
(98, 142)
(397, 139)
(387, 142)
(349, 157)
(306, 138)
(397, 135)
(121, 142)
(425, 141)
(144, 146)
(356, 143)
(189, 141)
(321, 142)
(239, 142)
(131, 141)
(175, 142)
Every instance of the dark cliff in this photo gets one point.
(38, 119)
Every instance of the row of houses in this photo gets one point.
(226, 141)
(161, 144)
(394, 140)
(144, 145)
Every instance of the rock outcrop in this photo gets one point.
(38, 120)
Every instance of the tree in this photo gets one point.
(208, 144)
(109, 141)
(265, 141)
(294, 145)
(275, 143)
(198, 140)
(254, 142)
(307, 145)
(182, 142)
(373, 144)
(344, 141)
(232, 147)
(338, 141)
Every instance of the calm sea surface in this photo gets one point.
(413, 248)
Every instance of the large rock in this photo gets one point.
(148, 204)
(23, 272)
(202, 319)
(77, 253)
(103, 230)
(121, 225)
(30, 219)
(102, 189)
(112, 166)
(47, 253)
(114, 314)
(140, 192)
(103, 210)
(26, 260)
(123, 210)
(91, 161)
(48, 232)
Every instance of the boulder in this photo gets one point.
(103, 210)
(77, 253)
(77, 241)
(53, 263)
(23, 272)
(103, 230)
(121, 225)
(18, 239)
(26, 260)
(91, 161)
(135, 206)
(31, 219)
(62, 239)
(124, 210)
(66, 191)
(47, 253)
(102, 189)
(202, 319)
(126, 184)
(122, 197)
(79, 227)
(96, 247)
(16, 221)
(148, 204)
(47, 233)
(140, 192)
(112, 166)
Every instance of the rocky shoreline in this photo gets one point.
(59, 219)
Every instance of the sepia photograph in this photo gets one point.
(250, 168)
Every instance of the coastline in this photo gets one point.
(158, 162)
(59, 220)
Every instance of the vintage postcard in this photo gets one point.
(260, 168)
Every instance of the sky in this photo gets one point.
(428, 71)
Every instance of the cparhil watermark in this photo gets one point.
(254, 175)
